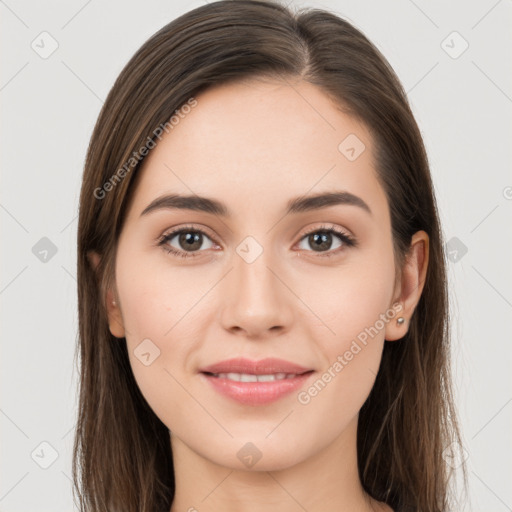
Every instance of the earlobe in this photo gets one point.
(411, 285)
(115, 320)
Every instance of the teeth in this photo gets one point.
(246, 377)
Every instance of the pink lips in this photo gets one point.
(256, 393)
(262, 367)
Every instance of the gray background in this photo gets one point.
(49, 105)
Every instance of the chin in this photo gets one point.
(259, 455)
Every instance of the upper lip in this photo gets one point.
(262, 367)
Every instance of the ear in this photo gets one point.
(410, 286)
(115, 320)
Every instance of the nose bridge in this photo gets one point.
(255, 282)
(256, 299)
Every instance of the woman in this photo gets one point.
(262, 292)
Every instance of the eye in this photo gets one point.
(189, 238)
(321, 240)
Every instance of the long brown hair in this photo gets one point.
(122, 459)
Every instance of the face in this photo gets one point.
(311, 286)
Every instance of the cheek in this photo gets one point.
(356, 311)
(155, 297)
(354, 296)
(161, 317)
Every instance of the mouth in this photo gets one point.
(250, 377)
(255, 382)
(264, 367)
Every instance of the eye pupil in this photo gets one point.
(188, 239)
(319, 240)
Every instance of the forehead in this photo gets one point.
(259, 140)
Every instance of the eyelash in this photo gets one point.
(347, 240)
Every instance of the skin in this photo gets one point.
(289, 303)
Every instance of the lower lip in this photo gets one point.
(256, 393)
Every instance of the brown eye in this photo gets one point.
(184, 242)
(190, 240)
(321, 241)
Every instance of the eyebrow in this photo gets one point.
(296, 205)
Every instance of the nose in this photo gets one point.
(256, 301)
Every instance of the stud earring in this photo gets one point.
(400, 320)
(113, 302)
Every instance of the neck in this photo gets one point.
(328, 481)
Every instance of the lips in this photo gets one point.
(255, 382)
(269, 366)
